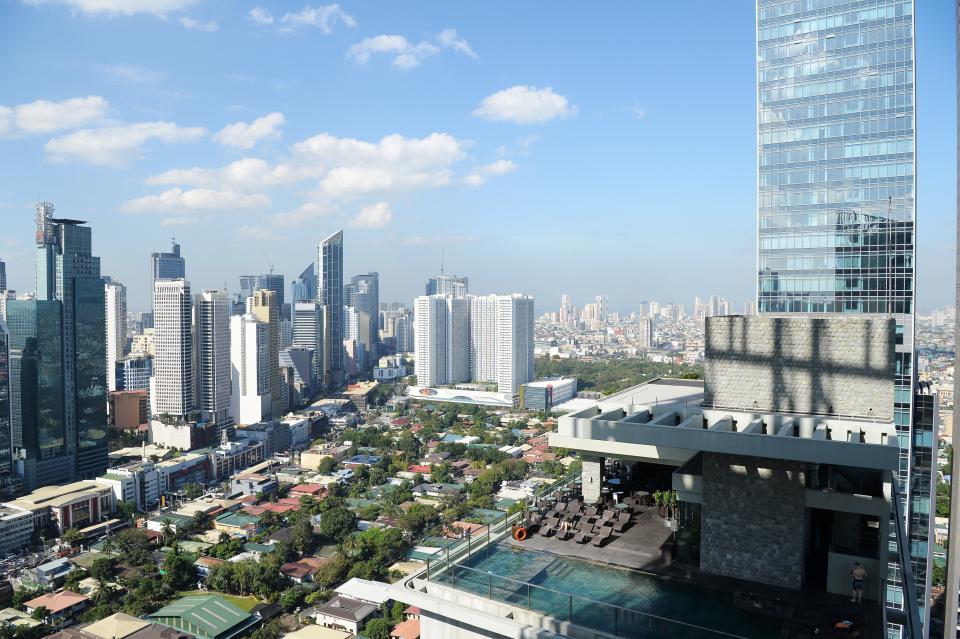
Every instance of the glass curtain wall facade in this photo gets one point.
(330, 296)
(837, 191)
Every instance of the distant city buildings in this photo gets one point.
(263, 306)
(455, 285)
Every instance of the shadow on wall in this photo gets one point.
(835, 366)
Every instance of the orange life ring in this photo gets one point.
(520, 533)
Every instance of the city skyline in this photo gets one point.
(468, 221)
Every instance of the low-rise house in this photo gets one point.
(437, 491)
(237, 524)
(52, 574)
(205, 565)
(372, 592)
(121, 626)
(304, 570)
(17, 619)
(408, 629)
(434, 459)
(206, 617)
(307, 490)
(317, 632)
(361, 460)
(344, 613)
(253, 484)
(62, 608)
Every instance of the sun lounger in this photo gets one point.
(546, 529)
(582, 537)
(603, 536)
(622, 522)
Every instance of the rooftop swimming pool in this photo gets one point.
(622, 602)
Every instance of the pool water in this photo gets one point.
(634, 604)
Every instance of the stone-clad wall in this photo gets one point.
(752, 519)
(801, 364)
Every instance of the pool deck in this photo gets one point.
(645, 545)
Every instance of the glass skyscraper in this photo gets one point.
(363, 294)
(837, 194)
(330, 296)
(168, 266)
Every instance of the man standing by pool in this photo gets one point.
(858, 574)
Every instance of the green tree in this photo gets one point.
(327, 466)
(378, 628)
(167, 528)
(72, 537)
(40, 613)
(101, 569)
(192, 491)
(126, 509)
(337, 523)
(74, 577)
(179, 572)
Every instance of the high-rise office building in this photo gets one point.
(133, 372)
(645, 333)
(837, 200)
(6, 450)
(3, 276)
(171, 391)
(330, 296)
(268, 281)
(363, 294)
(37, 393)
(115, 312)
(403, 331)
(250, 366)
(263, 306)
(952, 601)
(455, 285)
(67, 271)
(168, 266)
(304, 288)
(308, 334)
(211, 340)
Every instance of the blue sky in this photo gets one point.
(550, 148)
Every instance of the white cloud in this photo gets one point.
(207, 200)
(302, 214)
(393, 164)
(115, 145)
(525, 105)
(479, 177)
(374, 216)
(177, 221)
(259, 15)
(439, 239)
(638, 112)
(256, 232)
(336, 168)
(131, 73)
(241, 135)
(43, 116)
(196, 25)
(322, 17)
(158, 8)
(407, 55)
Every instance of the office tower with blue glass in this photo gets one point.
(837, 198)
(68, 272)
(304, 287)
(330, 297)
(363, 295)
(168, 266)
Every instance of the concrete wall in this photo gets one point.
(753, 524)
(801, 364)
